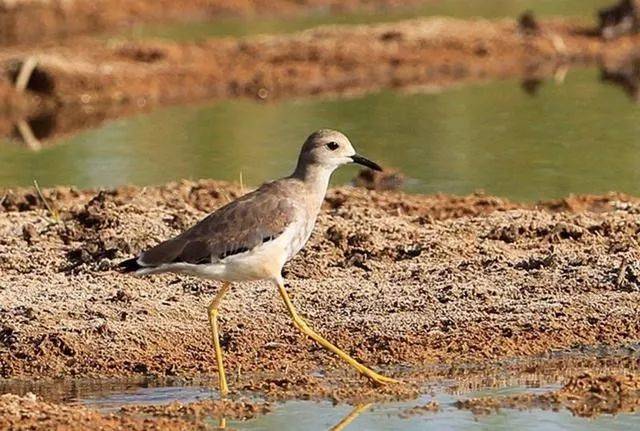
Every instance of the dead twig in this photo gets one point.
(27, 135)
(25, 72)
(622, 273)
(241, 183)
(53, 213)
(558, 43)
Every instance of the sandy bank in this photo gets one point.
(59, 19)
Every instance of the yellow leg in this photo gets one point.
(304, 328)
(213, 322)
(353, 414)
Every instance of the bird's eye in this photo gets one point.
(332, 146)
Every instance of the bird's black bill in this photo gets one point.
(366, 162)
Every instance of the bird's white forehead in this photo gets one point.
(324, 136)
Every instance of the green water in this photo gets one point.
(579, 137)
(453, 8)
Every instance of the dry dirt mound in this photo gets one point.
(394, 279)
(57, 19)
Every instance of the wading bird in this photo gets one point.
(253, 237)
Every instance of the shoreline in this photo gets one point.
(585, 386)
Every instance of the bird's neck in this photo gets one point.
(315, 178)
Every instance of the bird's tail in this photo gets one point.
(129, 265)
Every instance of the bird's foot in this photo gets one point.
(224, 389)
(380, 379)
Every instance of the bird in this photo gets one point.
(254, 236)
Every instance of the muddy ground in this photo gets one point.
(584, 395)
(84, 81)
(394, 279)
(30, 413)
(437, 286)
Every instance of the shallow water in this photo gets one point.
(385, 417)
(453, 8)
(311, 415)
(582, 136)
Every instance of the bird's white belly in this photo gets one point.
(262, 262)
(300, 237)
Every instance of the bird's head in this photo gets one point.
(331, 149)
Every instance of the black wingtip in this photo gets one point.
(129, 265)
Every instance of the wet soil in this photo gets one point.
(595, 382)
(584, 395)
(29, 413)
(58, 19)
(89, 80)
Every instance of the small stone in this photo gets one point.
(29, 233)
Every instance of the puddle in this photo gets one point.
(379, 417)
(489, 9)
(535, 376)
(581, 136)
(311, 415)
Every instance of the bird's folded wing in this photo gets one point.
(240, 226)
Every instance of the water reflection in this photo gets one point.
(48, 128)
(531, 85)
(32, 131)
(340, 426)
(350, 417)
(625, 75)
(109, 396)
(577, 137)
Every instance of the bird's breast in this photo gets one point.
(300, 236)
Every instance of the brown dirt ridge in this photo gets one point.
(394, 279)
(63, 18)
